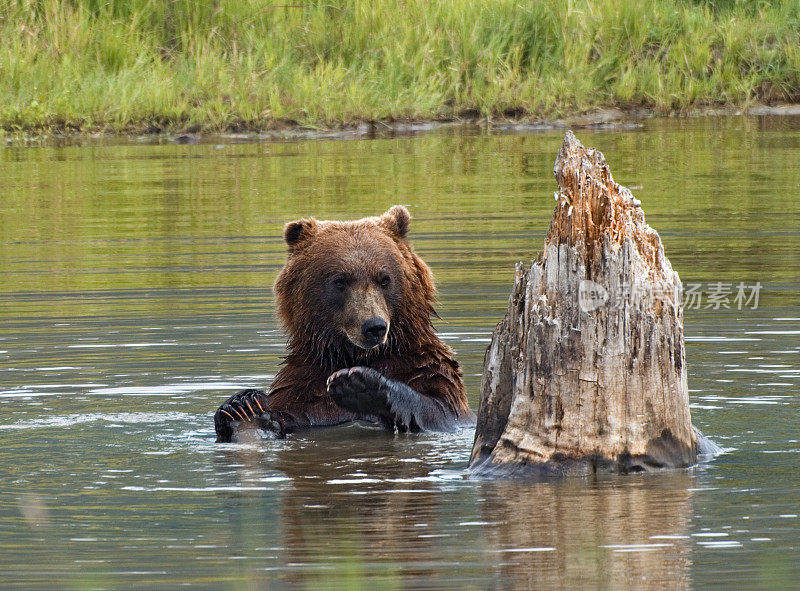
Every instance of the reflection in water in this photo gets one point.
(358, 497)
(615, 534)
(365, 505)
(136, 298)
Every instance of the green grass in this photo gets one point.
(234, 64)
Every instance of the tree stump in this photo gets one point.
(587, 373)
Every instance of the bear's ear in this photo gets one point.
(297, 231)
(396, 221)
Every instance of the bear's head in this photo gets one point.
(350, 288)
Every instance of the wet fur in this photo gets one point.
(313, 312)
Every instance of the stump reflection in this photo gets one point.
(615, 534)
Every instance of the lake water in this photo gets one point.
(136, 296)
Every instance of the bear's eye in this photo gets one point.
(340, 283)
(385, 280)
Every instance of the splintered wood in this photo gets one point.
(586, 373)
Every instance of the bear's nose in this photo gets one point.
(374, 330)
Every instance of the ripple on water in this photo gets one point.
(136, 297)
(131, 418)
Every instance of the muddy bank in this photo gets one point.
(604, 119)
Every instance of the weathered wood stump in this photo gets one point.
(586, 373)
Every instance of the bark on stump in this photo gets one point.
(586, 373)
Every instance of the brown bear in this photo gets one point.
(356, 302)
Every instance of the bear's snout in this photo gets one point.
(374, 331)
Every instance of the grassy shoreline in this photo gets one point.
(88, 66)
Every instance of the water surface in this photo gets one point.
(136, 297)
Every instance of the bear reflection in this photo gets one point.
(361, 494)
(359, 501)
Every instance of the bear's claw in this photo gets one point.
(361, 390)
(370, 395)
(241, 407)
